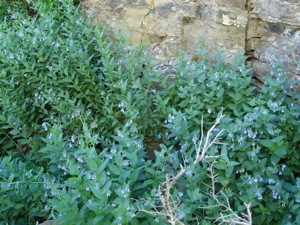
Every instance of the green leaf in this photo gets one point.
(266, 143)
(14, 132)
(134, 175)
(232, 163)
(150, 170)
(72, 182)
(11, 178)
(278, 138)
(114, 169)
(295, 207)
(18, 206)
(224, 150)
(95, 206)
(296, 137)
(223, 181)
(103, 166)
(23, 141)
(298, 218)
(281, 151)
(195, 195)
(220, 166)
(101, 193)
(275, 159)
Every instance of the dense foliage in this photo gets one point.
(82, 113)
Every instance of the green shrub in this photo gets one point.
(64, 78)
(22, 196)
(82, 113)
(261, 162)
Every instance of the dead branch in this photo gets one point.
(169, 207)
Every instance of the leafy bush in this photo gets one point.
(83, 113)
(261, 158)
(22, 196)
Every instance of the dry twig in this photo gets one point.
(169, 207)
(227, 215)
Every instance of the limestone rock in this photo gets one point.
(222, 23)
(266, 30)
(273, 35)
(277, 11)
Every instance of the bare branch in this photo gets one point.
(230, 217)
(207, 143)
(168, 207)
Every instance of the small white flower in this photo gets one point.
(125, 163)
(158, 194)
(274, 105)
(189, 173)
(79, 159)
(120, 134)
(94, 124)
(271, 181)
(181, 215)
(258, 195)
(44, 125)
(194, 140)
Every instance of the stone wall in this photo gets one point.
(273, 33)
(265, 30)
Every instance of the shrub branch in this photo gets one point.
(227, 215)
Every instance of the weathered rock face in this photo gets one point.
(266, 30)
(273, 33)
